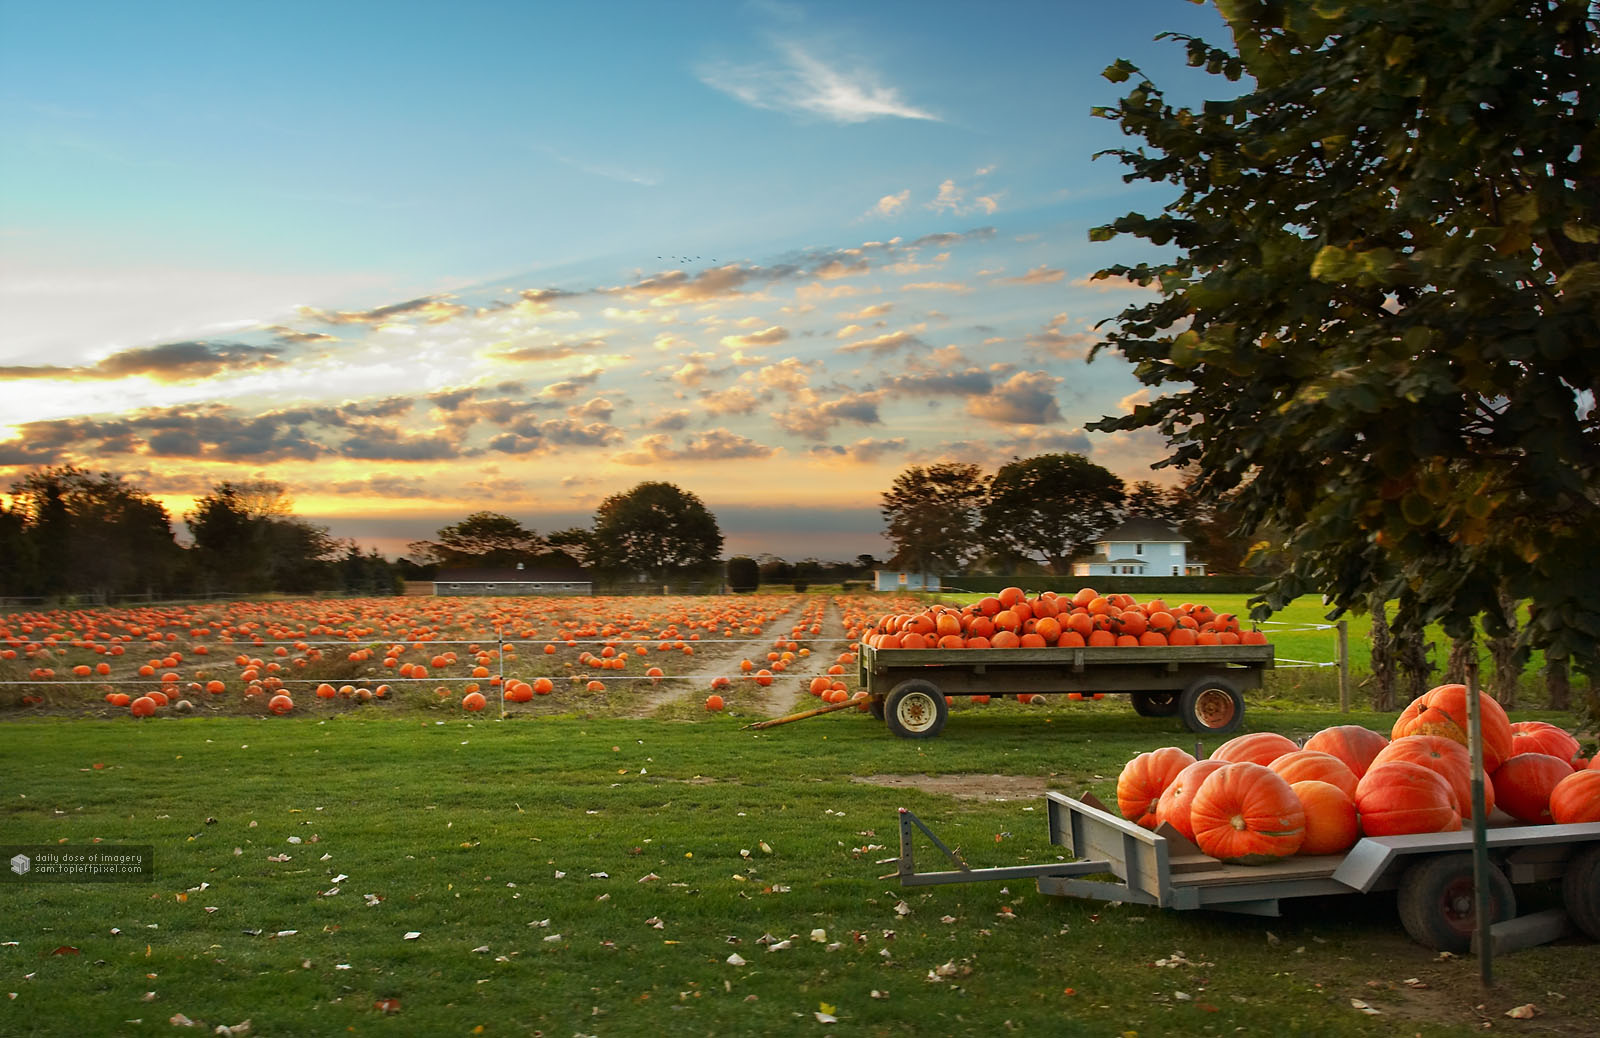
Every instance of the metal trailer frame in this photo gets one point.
(1204, 684)
(1117, 860)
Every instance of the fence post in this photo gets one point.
(1343, 661)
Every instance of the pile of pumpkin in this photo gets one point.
(1012, 620)
(1261, 797)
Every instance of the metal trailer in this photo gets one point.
(1203, 684)
(1117, 860)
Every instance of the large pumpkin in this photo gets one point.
(1257, 748)
(1399, 797)
(1178, 798)
(1331, 823)
(1351, 743)
(1314, 765)
(1576, 798)
(1443, 711)
(1524, 784)
(1543, 737)
(1449, 758)
(1246, 813)
(1145, 778)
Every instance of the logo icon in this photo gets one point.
(21, 864)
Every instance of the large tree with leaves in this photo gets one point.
(1051, 507)
(932, 515)
(1380, 331)
(92, 532)
(482, 539)
(656, 529)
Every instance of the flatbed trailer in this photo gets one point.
(1203, 684)
(1117, 860)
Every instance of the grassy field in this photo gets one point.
(587, 875)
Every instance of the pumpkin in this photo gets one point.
(1144, 779)
(1524, 784)
(1257, 748)
(1594, 763)
(144, 706)
(1449, 758)
(1332, 826)
(1314, 765)
(1576, 798)
(713, 703)
(1543, 737)
(1246, 813)
(1443, 711)
(1173, 807)
(280, 704)
(1398, 797)
(473, 701)
(1351, 743)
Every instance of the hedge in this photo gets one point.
(1138, 587)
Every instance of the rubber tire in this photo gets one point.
(1431, 900)
(1155, 704)
(875, 707)
(915, 709)
(1580, 890)
(1200, 700)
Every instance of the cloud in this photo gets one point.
(802, 83)
(1026, 398)
(866, 313)
(813, 419)
(669, 421)
(766, 337)
(953, 200)
(295, 337)
(888, 205)
(549, 351)
(1040, 275)
(883, 343)
(971, 382)
(862, 452)
(169, 362)
(733, 400)
(379, 486)
(954, 287)
(431, 309)
(1057, 342)
(713, 445)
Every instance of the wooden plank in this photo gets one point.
(1527, 931)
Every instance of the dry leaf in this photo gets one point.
(1356, 1003)
(412, 935)
(736, 959)
(1523, 1012)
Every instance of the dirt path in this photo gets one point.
(789, 689)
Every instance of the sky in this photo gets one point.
(420, 260)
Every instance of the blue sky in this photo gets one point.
(416, 260)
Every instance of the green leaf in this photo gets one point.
(1581, 233)
(1119, 70)
(1522, 208)
(1334, 264)
(1399, 51)
(1582, 281)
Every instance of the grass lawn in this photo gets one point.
(594, 876)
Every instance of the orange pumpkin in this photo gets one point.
(713, 703)
(1443, 711)
(1145, 778)
(1524, 784)
(1315, 766)
(1576, 798)
(1246, 814)
(280, 704)
(1398, 797)
(1543, 737)
(1351, 743)
(473, 701)
(1256, 748)
(144, 706)
(1177, 799)
(1449, 758)
(1332, 826)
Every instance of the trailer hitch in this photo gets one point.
(964, 873)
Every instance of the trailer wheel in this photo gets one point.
(1580, 889)
(875, 707)
(915, 709)
(1437, 906)
(1212, 706)
(1154, 704)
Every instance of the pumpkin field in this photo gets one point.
(607, 856)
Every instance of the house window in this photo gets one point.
(1138, 549)
(1175, 572)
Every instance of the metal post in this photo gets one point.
(1480, 838)
(1343, 662)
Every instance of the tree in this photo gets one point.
(576, 543)
(247, 538)
(655, 529)
(1051, 507)
(1378, 332)
(1154, 501)
(744, 573)
(932, 514)
(483, 539)
(95, 533)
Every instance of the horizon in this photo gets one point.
(771, 253)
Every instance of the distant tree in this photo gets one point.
(576, 543)
(1051, 507)
(247, 538)
(656, 529)
(95, 533)
(486, 540)
(19, 570)
(865, 564)
(1151, 500)
(744, 574)
(806, 573)
(932, 516)
(774, 570)
(1376, 329)
(367, 573)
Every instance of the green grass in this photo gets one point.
(461, 828)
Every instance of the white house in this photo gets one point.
(893, 580)
(1139, 547)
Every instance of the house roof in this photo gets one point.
(1139, 528)
(511, 576)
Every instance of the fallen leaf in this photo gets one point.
(412, 935)
(66, 949)
(736, 959)
(387, 1005)
(179, 1020)
(1523, 1012)
(779, 946)
(1356, 1003)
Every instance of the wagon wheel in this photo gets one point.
(1580, 889)
(1154, 704)
(915, 709)
(1212, 706)
(1437, 905)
